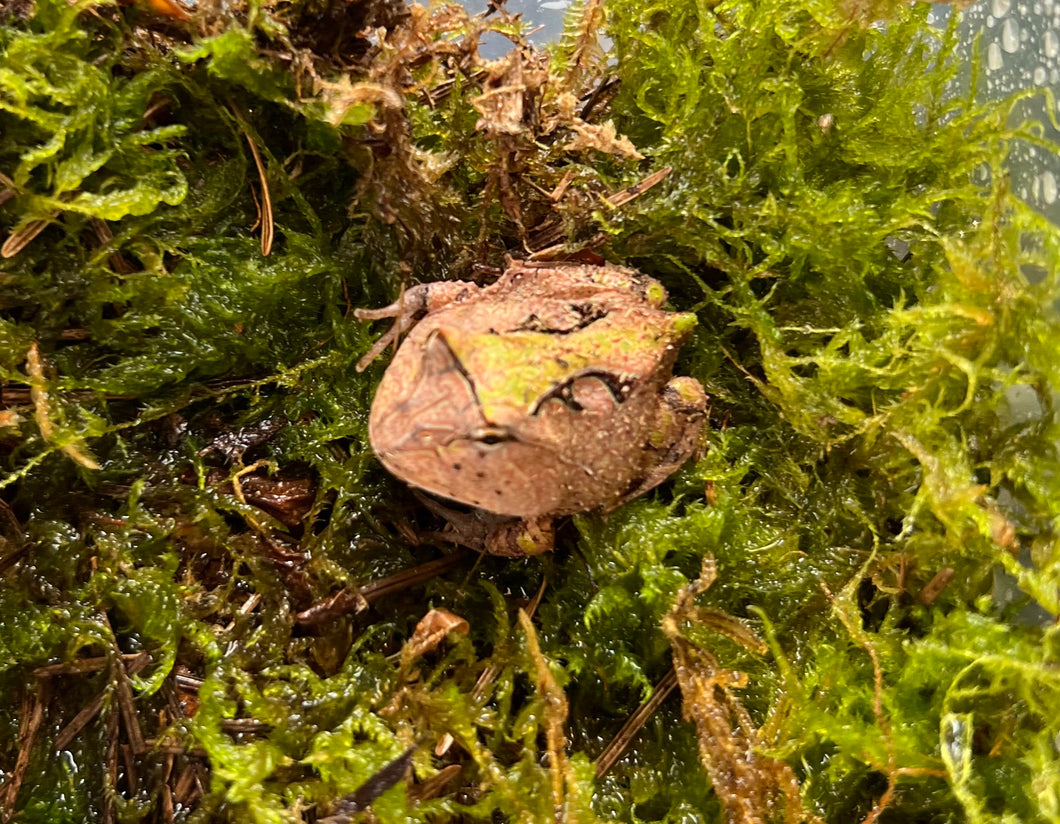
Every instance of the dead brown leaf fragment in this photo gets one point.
(511, 86)
(602, 137)
(30, 719)
(752, 787)
(343, 95)
(933, 588)
(489, 675)
(432, 629)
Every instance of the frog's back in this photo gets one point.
(536, 396)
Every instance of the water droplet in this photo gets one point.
(1049, 188)
(954, 737)
(1050, 43)
(1010, 36)
(1040, 76)
(999, 8)
(993, 57)
(66, 758)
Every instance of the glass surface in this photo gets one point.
(1019, 48)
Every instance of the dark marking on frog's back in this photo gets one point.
(619, 388)
(580, 316)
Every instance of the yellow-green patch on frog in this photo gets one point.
(545, 394)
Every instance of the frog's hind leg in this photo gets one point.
(493, 534)
(515, 538)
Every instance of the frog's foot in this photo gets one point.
(514, 538)
(494, 534)
(681, 413)
(407, 310)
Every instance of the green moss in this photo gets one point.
(876, 326)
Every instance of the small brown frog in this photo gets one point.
(545, 394)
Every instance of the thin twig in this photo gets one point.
(23, 236)
(166, 792)
(357, 599)
(82, 666)
(433, 785)
(624, 196)
(79, 722)
(624, 737)
(133, 663)
(267, 227)
(110, 786)
(30, 717)
(153, 745)
(129, 716)
(189, 786)
(132, 778)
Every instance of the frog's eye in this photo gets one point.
(492, 435)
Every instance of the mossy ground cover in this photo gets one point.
(210, 590)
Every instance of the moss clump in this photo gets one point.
(211, 591)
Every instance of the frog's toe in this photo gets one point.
(518, 539)
(681, 415)
(685, 396)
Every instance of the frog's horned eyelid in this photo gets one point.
(431, 438)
